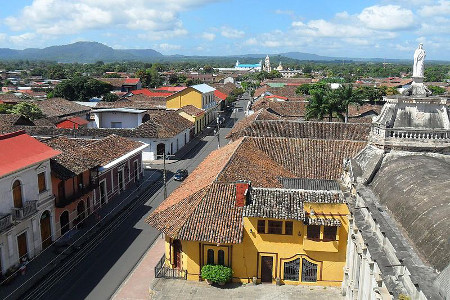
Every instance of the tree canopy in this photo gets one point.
(81, 88)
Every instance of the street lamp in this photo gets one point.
(217, 131)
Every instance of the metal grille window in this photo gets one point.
(313, 232)
(221, 257)
(210, 257)
(288, 228)
(275, 227)
(309, 271)
(329, 233)
(261, 226)
(292, 269)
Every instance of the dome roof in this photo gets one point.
(416, 189)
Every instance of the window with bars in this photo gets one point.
(288, 227)
(41, 182)
(313, 232)
(261, 226)
(210, 257)
(221, 257)
(309, 271)
(329, 233)
(275, 227)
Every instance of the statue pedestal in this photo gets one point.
(417, 88)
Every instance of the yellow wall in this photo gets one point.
(245, 258)
(188, 96)
(198, 121)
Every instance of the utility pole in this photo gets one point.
(164, 173)
(218, 128)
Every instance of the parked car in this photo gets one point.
(180, 174)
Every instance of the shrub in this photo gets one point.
(216, 273)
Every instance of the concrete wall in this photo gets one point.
(172, 145)
(129, 120)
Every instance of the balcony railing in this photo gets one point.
(28, 209)
(163, 271)
(63, 201)
(415, 134)
(6, 221)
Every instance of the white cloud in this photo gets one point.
(168, 47)
(342, 15)
(208, 36)
(64, 17)
(22, 39)
(285, 12)
(388, 17)
(441, 9)
(231, 33)
(251, 41)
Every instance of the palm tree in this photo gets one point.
(318, 105)
(345, 96)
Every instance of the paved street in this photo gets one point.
(104, 268)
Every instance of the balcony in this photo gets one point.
(62, 202)
(6, 221)
(28, 209)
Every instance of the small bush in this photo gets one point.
(216, 273)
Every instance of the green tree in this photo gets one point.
(436, 90)
(27, 109)
(318, 106)
(81, 88)
(110, 97)
(346, 96)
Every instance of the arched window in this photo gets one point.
(17, 194)
(210, 257)
(221, 258)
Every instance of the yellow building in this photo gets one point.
(195, 115)
(200, 96)
(256, 206)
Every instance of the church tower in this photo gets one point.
(267, 67)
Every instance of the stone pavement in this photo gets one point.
(136, 286)
(182, 289)
(50, 258)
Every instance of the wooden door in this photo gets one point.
(22, 244)
(46, 231)
(266, 268)
(177, 253)
(17, 194)
(64, 222)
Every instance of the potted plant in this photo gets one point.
(216, 274)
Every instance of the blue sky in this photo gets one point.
(386, 29)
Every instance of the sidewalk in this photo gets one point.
(136, 286)
(50, 258)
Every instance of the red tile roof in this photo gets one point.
(149, 93)
(171, 88)
(219, 94)
(18, 150)
(76, 120)
(131, 81)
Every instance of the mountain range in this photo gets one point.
(90, 52)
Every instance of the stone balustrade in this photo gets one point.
(5, 222)
(29, 208)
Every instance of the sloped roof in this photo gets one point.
(79, 155)
(301, 129)
(192, 110)
(242, 124)
(295, 109)
(18, 150)
(203, 207)
(203, 88)
(149, 93)
(220, 94)
(59, 107)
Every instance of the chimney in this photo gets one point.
(241, 193)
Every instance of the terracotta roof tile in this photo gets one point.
(59, 107)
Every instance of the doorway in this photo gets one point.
(46, 231)
(160, 150)
(120, 180)
(102, 192)
(22, 245)
(17, 194)
(64, 222)
(266, 268)
(80, 212)
(177, 249)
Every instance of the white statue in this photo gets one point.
(419, 57)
